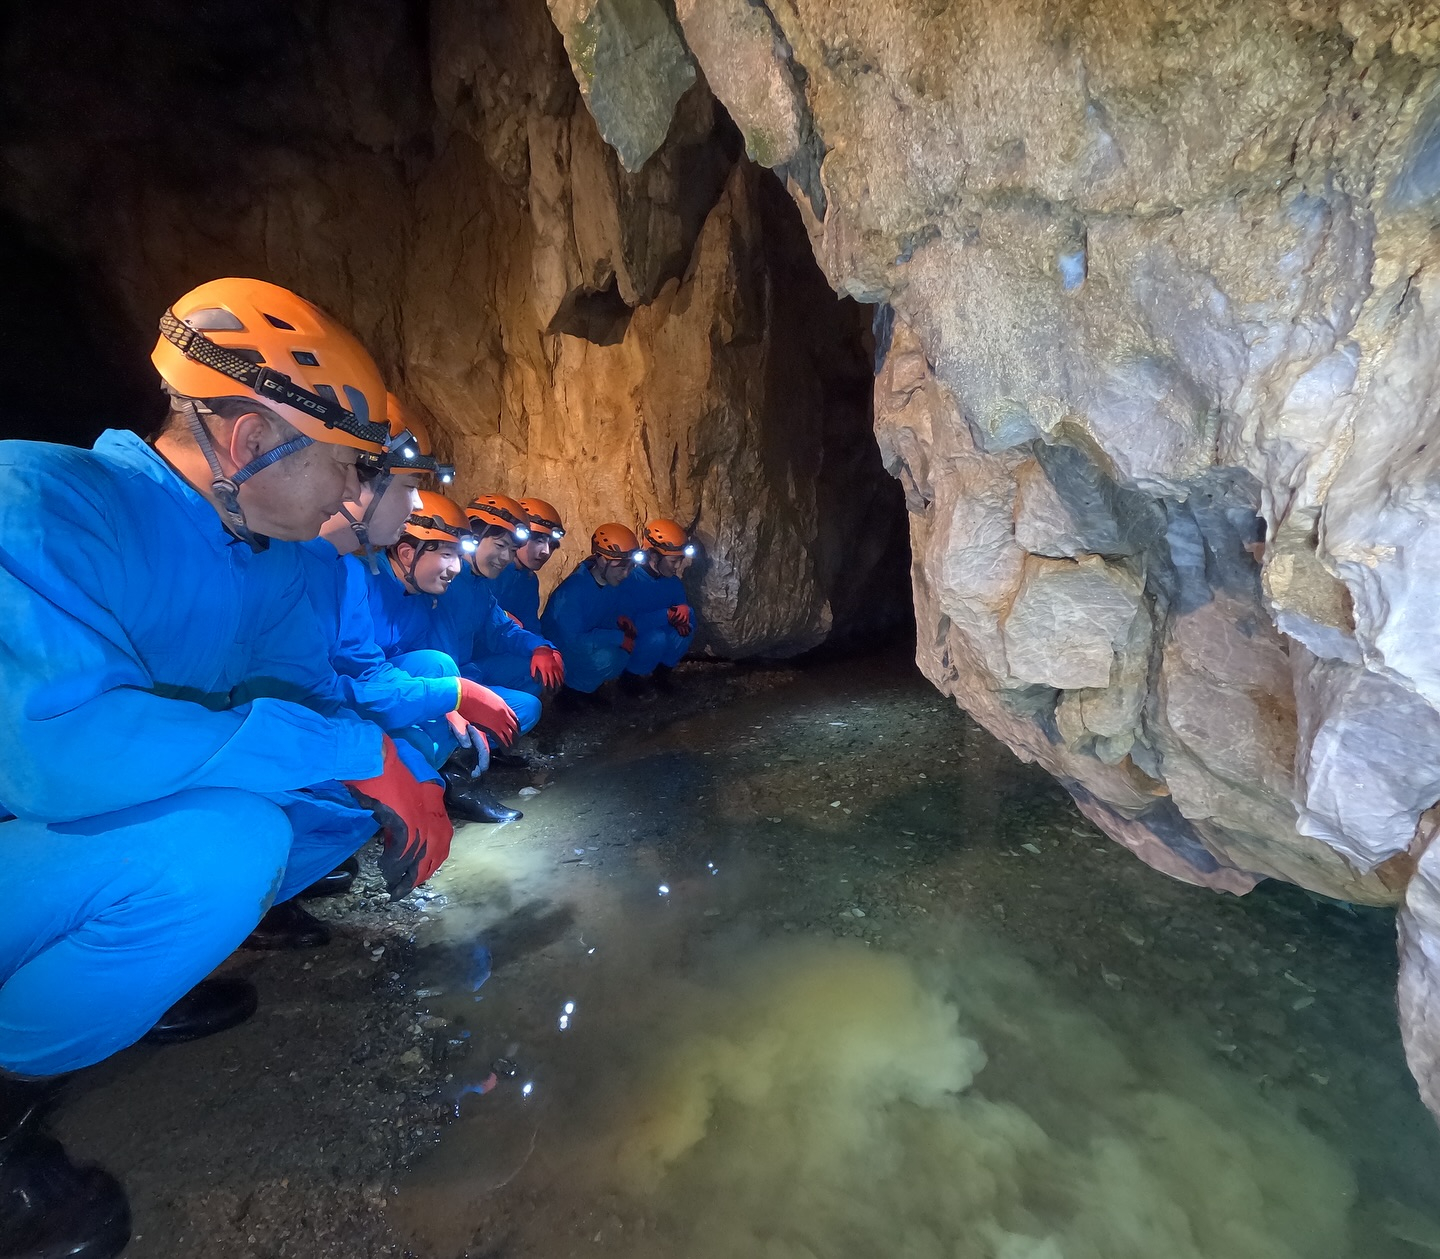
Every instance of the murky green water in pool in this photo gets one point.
(824, 972)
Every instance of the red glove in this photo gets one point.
(480, 706)
(413, 824)
(519, 624)
(548, 666)
(627, 627)
(679, 618)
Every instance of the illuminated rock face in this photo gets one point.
(622, 345)
(1157, 368)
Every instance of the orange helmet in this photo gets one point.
(409, 450)
(544, 517)
(250, 338)
(616, 542)
(498, 511)
(438, 520)
(668, 538)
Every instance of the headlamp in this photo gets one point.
(408, 452)
(521, 533)
(445, 472)
(469, 545)
(689, 548)
(557, 534)
(637, 557)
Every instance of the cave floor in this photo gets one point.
(793, 962)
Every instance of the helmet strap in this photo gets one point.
(361, 527)
(227, 488)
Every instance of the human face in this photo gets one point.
(612, 572)
(494, 555)
(292, 498)
(670, 565)
(400, 499)
(536, 553)
(434, 568)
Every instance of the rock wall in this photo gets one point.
(1157, 367)
(625, 345)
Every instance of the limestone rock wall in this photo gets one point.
(1157, 368)
(625, 345)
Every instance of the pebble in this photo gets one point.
(529, 791)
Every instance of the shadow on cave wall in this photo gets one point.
(148, 149)
(71, 365)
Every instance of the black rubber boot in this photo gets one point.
(663, 679)
(50, 1208)
(213, 1005)
(572, 701)
(288, 926)
(634, 686)
(339, 880)
(505, 758)
(468, 800)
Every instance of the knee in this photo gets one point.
(227, 838)
(427, 664)
(527, 711)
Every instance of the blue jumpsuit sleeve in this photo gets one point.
(648, 599)
(371, 685)
(577, 617)
(497, 635)
(517, 590)
(71, 682)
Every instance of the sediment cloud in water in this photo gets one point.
(829, 1101)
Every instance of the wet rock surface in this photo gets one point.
(1154, 285)
(837, 805)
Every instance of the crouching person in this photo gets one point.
(410, 599)
(655, 600)
(584, 618)
(139, 598)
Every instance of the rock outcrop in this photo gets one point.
(624, 345)
(1157, 368)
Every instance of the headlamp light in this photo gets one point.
(445, 472)
(408, 452)
(522, 534)
(689, 548)
(557, 534)
(637, 557)
(469, 545)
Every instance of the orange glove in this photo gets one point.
(679, 618)
(480, 706)
(411, 816)
(548, 667)
(519, 624)
(627, 627)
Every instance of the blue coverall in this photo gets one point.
(160, 805)
(580, 619)
(408, 696)
(517, 591)
(646, 598)
(448, 623)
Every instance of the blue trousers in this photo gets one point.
(110, 920)
(509, 677)
(434, 739)
(655, 647)
(587, 666)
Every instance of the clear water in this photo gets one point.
(823, 972)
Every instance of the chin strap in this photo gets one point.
(407, 574)
(227, 488)
(361, 528)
